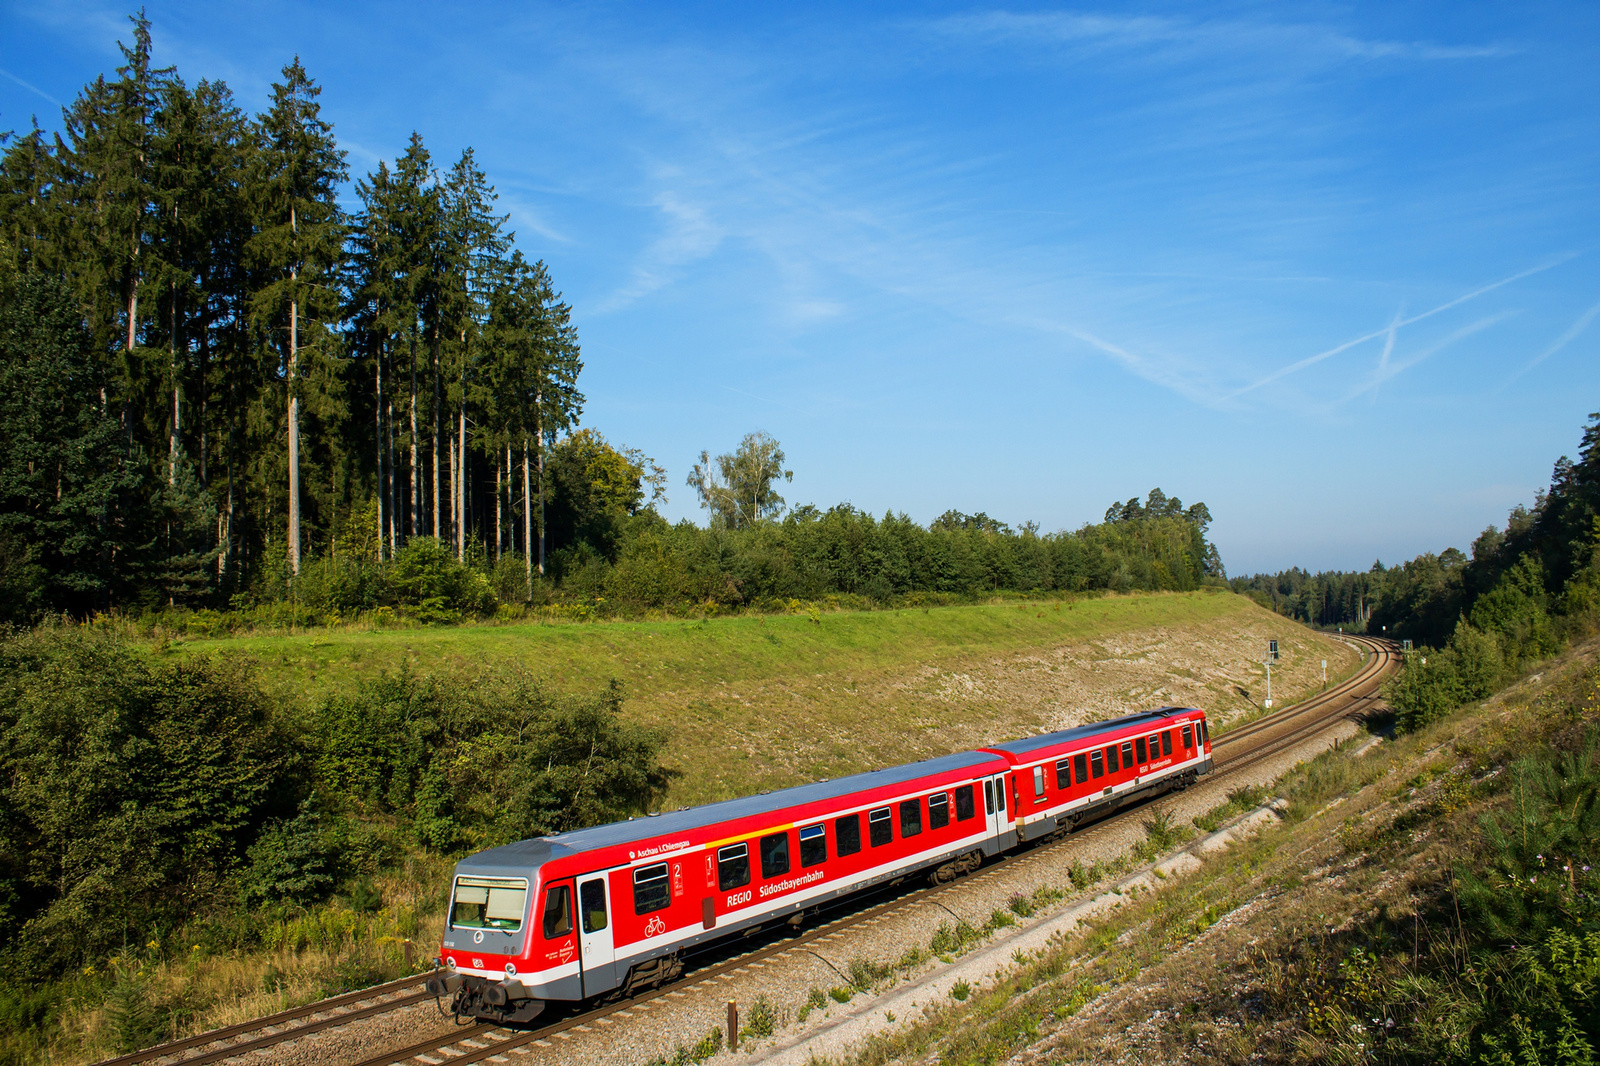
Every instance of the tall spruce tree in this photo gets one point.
(298, 246)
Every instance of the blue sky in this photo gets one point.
(1331, 269)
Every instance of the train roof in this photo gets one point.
(523, 855)
(1085, 732)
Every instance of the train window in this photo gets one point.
(592, 905)
(1166, 742)
(733, 866)
(988, 797)
(557, 912)
(650, 889)
(1000, 794)
(938, 810)
(1097, 763)
(1127, 754)
(775, 855)
(1111, 760)
(847, 835)
(1064, 774)
(1080, 768)
(1205, 733)
(489, 903)
(910, 817)
(1038, 781)
(966, 806)
(1188, 737)
(1142, 749)
(879, 829)
(813, 845)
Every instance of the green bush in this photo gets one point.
(437, 587)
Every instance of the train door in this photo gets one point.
(1001, 811)
(594, 921)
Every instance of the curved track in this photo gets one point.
(1232, 752)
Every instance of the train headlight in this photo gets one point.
(450, 961)
(511, 969)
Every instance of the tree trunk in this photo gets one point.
(436, 441)
(539, 427)
(461, 485)
(377, 364)
(415, 510)
(294, 438)
(393, 483)
(527, 518)
(177, 401)
(499, 520)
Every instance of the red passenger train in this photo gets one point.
(614, 908)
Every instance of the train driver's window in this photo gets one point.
(1097, 763)
(1111, 759)
(489, 903)
(592, 905)
(733, 866)
(988, 797)
(966, 807)
(847, 835)
(1142, 749)
(1166, 742)
(879, 829)
(910, 817)
(557, 912)
(1127, 754)
(938, 810)
(1188, 737)
(775, 855)
(1064, 774)
(1080, 768)
(1205, 733)
(650, 889)
(813, 845)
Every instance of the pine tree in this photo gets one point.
(297, 246)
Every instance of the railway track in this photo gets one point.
(1233, 752)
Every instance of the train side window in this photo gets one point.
(1205, 732)
(1127, 754)
(910, 817)
(1188, 737)
(775, 855)
(1064, 774)
(1038, 781)
(1111, 759)
(650, 889)
(938, 810)
(1000, 794)
(988, 797)
(1142, 749)
(733, 866)
(847, 835)
(1166, 742)
(813, 845)
(879, 829)
(966, 806)
(592, 905)
(1080, 768)
(557, 912)
(1097, 763)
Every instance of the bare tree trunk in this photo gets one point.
(436, 439)
(377, 363)
(539, 427)
(527, 518)
(177, 402)
(499, 521)
(461, 485)
(393, 484)
(294, 435)
(415, 510)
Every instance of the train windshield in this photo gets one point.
(489, 903)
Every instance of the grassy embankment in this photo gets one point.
(802, 697)
(1343, 934)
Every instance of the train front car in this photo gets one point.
(1064, 778)
(615, 907)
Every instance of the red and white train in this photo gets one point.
(613, 908)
